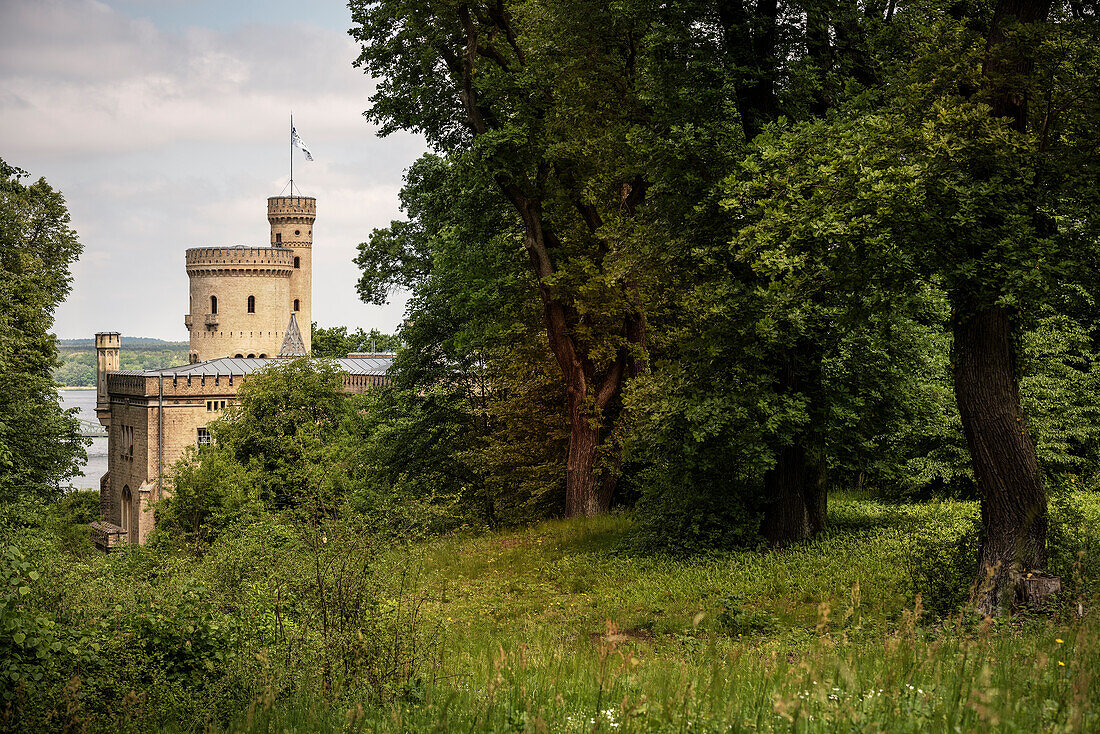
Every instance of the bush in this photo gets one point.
(941, 554)
(80, 506)
(684, 509)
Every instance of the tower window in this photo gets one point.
(213, 304)
(295, 304)
(278, 237)
(297, 262)
(297, 231)
(252, 304)
(204, 437)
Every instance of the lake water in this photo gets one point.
(96, 467)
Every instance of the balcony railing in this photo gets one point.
(211, 320)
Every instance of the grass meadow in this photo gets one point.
(560, 627)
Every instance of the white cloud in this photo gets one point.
(167, 138)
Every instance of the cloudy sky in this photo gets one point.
(165, 125)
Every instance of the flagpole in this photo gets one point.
(291, 155)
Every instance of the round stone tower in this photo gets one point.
(291, 219)
(240, 301)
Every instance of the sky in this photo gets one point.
(165, 124)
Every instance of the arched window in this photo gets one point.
(252, 304)
(127, 512)
(297, 262)
(263, 356)
(252, 356)
(213, 304)
(295, 304)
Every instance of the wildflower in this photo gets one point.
(1061, 663)
(1059, 640)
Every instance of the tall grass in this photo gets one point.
(561, 627)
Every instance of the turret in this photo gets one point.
(108, 345)
(291, 219)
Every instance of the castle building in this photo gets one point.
(248, 307)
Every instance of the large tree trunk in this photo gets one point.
(1013, 499)
(587, 493)
(796, 498)
(593, 390)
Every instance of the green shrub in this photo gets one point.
(682, 510)
(940, 553)
(735, 619)
(81, 506)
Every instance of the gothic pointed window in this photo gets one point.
(252, 304)
(127, 513)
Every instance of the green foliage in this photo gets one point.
(154, 637)
(39, 442)
(941, 553)
(1059, 390)
(293, 442)
(473, 424)
(77, 366)
(80, 506)
(325, 625)
(734, 619)
(335, 342)
(185, 636)
(28, 642)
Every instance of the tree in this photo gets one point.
(40, 444)
(948, 181)
(335, 342)
(542, 96)
(294, 443)
(473, 420)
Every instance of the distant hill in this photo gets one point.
(138, 342)
(78, 358)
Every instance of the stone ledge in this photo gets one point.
(107, 536)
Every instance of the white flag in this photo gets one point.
(297, 143)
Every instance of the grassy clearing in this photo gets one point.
(562, 627)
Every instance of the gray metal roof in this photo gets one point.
(244, 366)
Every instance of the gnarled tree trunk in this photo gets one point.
(1013, 499)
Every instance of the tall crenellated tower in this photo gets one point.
(108, 346)
(242, 298)
(291, 219)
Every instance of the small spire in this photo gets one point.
(293, 344)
